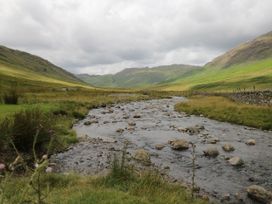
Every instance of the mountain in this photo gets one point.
(27, 69)
(257, 49)
(140, 77)
(247, 66)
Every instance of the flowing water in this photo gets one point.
(157, 123)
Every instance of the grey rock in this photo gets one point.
(259, 193)
(211, 152)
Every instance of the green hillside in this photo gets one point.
(27, 70)
(98, 80)
(247, 66)
(140, 77)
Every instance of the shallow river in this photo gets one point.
(157, 123)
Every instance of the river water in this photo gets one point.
(156, 122)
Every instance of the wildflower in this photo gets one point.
(44, 157)
(2, 167)
(49, 170)
(36, 165)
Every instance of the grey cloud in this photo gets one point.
(105, 36)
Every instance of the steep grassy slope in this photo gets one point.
(255, 50)
(247, 66)
(140, 77)
(248, 75)
(28, 62)
(27, 70)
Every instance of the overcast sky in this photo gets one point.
(105, 36)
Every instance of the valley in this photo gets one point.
(166, 134)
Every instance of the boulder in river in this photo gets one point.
(130, 128)
(211, 152)
(181, 129)
(228, 148)
(251, 142)
(193, 130)
(236, 161)
(120, 130)
(259, 193)
(125, 117)
(89, 122)
(142, 156)
(136, 116)
(159, 146)
(179, 144)
(131, 123)
(213, 140)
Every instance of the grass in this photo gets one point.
(123, 185)
(245, 75)
(65, 107)
(6, 110)
(31, 63)
(224, 109)
(8, 72)
(146, 188)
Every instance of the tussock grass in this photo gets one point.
(62, 108)
(146, 188)
(122, 185)
(224, 109)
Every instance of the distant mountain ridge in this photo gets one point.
(246, 66)
(140, 77)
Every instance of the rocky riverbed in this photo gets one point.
(229, 158)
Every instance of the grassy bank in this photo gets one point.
(224, 109)
(74, 189)
(57, 110)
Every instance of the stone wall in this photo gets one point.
(252, 97)
(248, 97)
(256, 97)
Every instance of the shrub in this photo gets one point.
(60, 113)
(24, 126)
(78, 115)
(11, 97)
(5, 127)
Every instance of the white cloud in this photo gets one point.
(105, 36)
